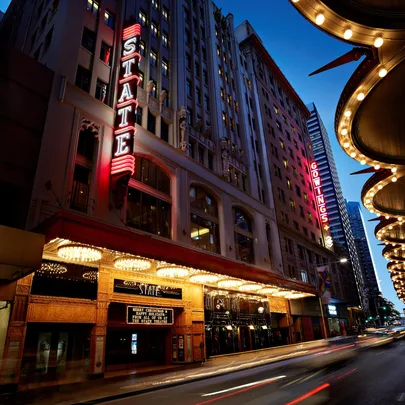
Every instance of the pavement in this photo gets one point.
(96, 391)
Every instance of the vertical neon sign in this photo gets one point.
(320, 199)
(123, 161)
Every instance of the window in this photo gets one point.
(297, 191)
(83, 77)
(142, 18)
(309, 217)
(292, 205)
(165, 67)
(203, 202)
(37, 52)
(304, 276)
(243, 235)
(285, 162)
(89, 39)
(165, 39)
(153, 92)
(48, 39)
(306, 197)
(210, 161)
(189, 116)
(142, 48)
(155, 4)
(153, 58)
(302, 211)
(79, 198)
(225, 118)
(204, 52)
(165, 14)
(204, 234)
(296, 226)
(289, 184)
(106, 53)
(187, 37)
(138, 115)
(109, 19)
(93, 6)
(188, 88)
(166, 99)
(198, 95)
(154, 29)
(152, 175)
(205, 76)
(188, 61)
(164, 131)
(282, 144)
(101, 91)
(197, 69)
(151, 122)
(278, 125)
(206, 103)
(276, 110)
(305, 230)
(148, 213)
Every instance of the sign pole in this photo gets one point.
(323, 318)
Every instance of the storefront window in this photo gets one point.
(243, 236)
(203, 201)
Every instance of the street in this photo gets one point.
(373, 377)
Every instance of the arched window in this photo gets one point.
(243, 236)
(204, 222)
(149, 202)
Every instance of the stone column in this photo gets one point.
(99, 331)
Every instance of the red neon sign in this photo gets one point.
(320, 199)
(123, 161)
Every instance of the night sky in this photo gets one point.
(299, 48)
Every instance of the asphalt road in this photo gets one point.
(372, 377)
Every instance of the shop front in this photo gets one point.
(338, 322)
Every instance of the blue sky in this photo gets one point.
(299, 48)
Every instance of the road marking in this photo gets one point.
(261, 382)
(377, 354)
(401, 397)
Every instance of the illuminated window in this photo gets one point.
(220, 71)
(285, 162)
(282, 144)
(93, 6)
(229, 98)
(154, 29)
(278, 126)
(293, 205)
(309, 217)
(276, 110)
(165, 67)
(188, 88)
(306, 198)
(236, 106)
(106, 53)
(218, 50)
(109, 19)
(153, 58)
(165, 14)
(225, 118)
(304, 276)
(101, 91)
(142, 18)
(289, 184)
(155, 4)
(222, 93)
(142, 48)
(165, 39)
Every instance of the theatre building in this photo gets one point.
(161, 238)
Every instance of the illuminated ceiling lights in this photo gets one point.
(132, 263)
(203, 278)
(90, 275)
(172, 271)
(378, 42)
(53, 268)
(268, 290)
(320, 19)
(79, 253)
(250, 287)
(229, 283)
(348, 33)
(281, 293)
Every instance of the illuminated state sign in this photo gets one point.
(123, 161)
(320, 199)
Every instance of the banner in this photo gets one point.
(324, 284)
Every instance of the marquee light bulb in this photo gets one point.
(320, 19)
(346, 144)
(348, 113)
(378, 42)
(348, 34)
(377, 167)
(360, 96)
(353, 154)
(344, 131)
(379, 186)
(394, 169)
(295, 1)
(394, 179)
(382, 72)
(363, 162)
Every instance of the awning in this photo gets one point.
(81, 229)
(20, 253)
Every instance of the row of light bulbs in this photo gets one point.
(86, 253)
(348, 32)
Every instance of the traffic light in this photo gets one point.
(370, 317)
(384, 308)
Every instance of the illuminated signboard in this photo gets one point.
(149, 316)
(320, 199)
(123, 161)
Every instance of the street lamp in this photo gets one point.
(343, 260)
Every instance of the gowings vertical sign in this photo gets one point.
(123, 160)
(320, 199)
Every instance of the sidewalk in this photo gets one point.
(126, 385)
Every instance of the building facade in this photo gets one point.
(338, 218)
(154, 190)
(370, 277)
